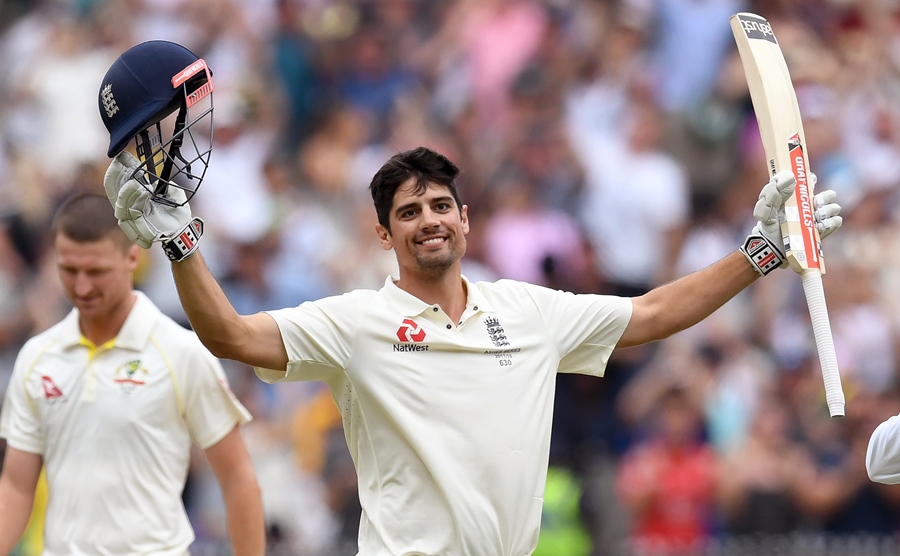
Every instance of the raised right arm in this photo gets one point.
(251, 339)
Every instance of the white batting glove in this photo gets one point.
(120, 170)
(828, 212)
(764, 247)
(145, 220)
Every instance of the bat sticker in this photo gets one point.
(757, 28)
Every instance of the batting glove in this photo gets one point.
(828, 212)
(764, 247)
(144, 219)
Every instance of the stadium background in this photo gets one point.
(607, 146)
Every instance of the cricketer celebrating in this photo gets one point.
(446, 386)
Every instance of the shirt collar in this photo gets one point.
(135, 332)
(410, 305)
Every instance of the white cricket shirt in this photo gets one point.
(114, 424)
(883, 452)
(449, 423)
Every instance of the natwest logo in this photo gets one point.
(409, 331)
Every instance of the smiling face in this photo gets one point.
(427, 229)
(96, 275)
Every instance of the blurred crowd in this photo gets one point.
(606, 146)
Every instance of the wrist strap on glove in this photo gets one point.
(183, 244)
(762, 253)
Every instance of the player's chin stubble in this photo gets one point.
(439, 262)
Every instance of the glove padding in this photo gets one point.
(146, 220)
(764, 247)
(828, 212)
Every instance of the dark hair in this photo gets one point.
(87, 217)
(426, 165)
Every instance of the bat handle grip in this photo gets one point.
(818, 312)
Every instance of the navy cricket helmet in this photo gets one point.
(140, 93)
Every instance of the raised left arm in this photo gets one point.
(683, 303)
(230, 462)
(680, 304)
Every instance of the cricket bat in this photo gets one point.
(780, 126)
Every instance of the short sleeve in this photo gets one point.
(318, 338)
(584, 328)
(20, 425)
(211, 409)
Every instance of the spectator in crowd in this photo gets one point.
(645, 197)
(760, 480)
(525, 241)
(667, 481)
